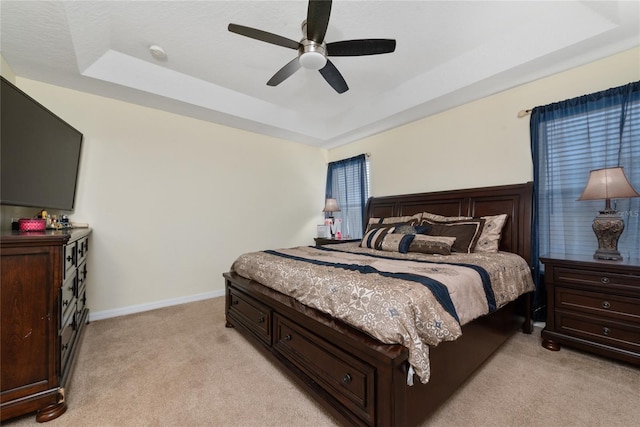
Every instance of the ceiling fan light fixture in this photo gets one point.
(313, 60)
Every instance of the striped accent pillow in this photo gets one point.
(396, 242)
(375, 234)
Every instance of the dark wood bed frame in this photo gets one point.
(358, 379)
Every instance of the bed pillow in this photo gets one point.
(440, 245)
(466, 231)
(396, 242)
(489, 240)
(411, 229)
(408, 219)
(442, 218)
(374, 235)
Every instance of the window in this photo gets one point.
(568, 140)
(348, 183)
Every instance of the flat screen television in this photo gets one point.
(39, 153)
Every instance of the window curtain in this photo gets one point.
(569, 139)
(348, 183)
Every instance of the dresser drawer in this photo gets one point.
(596, 329)
(67, 297)
(82, 278)
(599, 304)
(253, 315)
(67, 337)
(603, 281)
(70, 258)
(334, 370)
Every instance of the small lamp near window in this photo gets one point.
(607, 184)
(331, 206)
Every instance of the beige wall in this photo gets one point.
(173, 200)
(480, 143)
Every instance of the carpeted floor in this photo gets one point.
(180, 366)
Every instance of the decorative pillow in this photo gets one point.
(466, 231)
(489, 240)
(409, 219)
(396, 242)
(411, 229)
(442, 218)
(374, 235)
(440, 245)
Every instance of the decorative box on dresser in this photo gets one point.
(593, 305)
(43, 302)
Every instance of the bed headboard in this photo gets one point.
(514, 200)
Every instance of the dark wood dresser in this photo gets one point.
(43, 302)
(593, 305)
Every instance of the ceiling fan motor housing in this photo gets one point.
(313, 56)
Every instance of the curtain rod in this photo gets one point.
(523, 113)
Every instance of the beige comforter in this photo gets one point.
(411, 299)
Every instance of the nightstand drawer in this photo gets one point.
(616, 334)
(599, 280)
(599, 304)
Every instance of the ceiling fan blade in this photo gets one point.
(361, 47)
(284, 72)
(334, 78)
(318, 19)
(263, 36)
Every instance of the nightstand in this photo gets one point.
(593, 305)
(321, 241)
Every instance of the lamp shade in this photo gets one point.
(609, 183)
(331, 205)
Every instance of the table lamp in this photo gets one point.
(607, 184)
(331, 206)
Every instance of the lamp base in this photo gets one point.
(608, 226)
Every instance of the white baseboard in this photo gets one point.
(105, 314)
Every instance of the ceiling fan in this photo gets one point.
(312, 49)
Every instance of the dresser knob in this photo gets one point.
(606, 304)
(346, 379)
(287, 337)
(604, 280)
(261, 320)
(606, 331)
(235, 302)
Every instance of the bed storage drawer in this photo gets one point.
(256, 317)
(334, 370)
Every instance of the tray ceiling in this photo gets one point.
(448, 53)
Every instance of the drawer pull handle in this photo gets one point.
(287, 337)
(346, 379)
(261, 319)
(606, 304)
(604, 280)
(65, 303)
(606, 331)
(235, 302)
(69, 258)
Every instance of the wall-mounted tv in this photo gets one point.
(39, 153)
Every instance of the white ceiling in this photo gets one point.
(448, 53)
